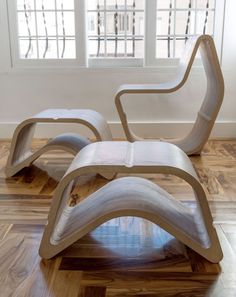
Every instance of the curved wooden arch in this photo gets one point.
(196, 139)
(131, 196)
(20, 151)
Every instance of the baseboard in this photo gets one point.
(149, 130)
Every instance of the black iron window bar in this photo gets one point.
(45, 38)
(170, 38)
(100, 37)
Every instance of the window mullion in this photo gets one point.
(219, 26)
(81, 32)
(174, 38)
(36, 28)
(125, 24)
(150, 33)
(5, 49)
(105, 28)
(56, 22)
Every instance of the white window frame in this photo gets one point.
(82, 60)
(5, 50)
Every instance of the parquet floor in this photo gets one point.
(124, 257)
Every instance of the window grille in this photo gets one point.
(118, 32)
(120, 28)
(179, 19)
(46, 29)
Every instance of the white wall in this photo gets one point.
(25, 92)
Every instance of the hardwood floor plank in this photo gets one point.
(125, 256)
(17, 259)
(150, 280)
(93, 292)
(4, 229)
(64, 283)
(49, 186)
(100, 264)
(201, 265)
(28, 211)
(171, 292)
(38, 282)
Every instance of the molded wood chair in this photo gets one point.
(130, 196)
(198, 136)
(21, 154)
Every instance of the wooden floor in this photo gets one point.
(124, 257)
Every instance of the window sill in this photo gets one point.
(164, 69)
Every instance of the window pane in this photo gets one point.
(179, 19)
(25, 4)
(119, 25)
(96, 47)
(46, 30)
(28, 48)
(67, 48)
(115, 47)
(111, 19)
(45, 4)
(179, 46)
(95, 4)
(165, 48)
(120, 49)
(185, 4)
(26, 23)
(65, 4)
(202, 4)
(205, 22)
(135, 23)
(47, 48)
(164, 4)
(65, 23)
(165, 22)
(138, 4)
(184, 23)
(135, 47)
(115, 4)
(46, 23)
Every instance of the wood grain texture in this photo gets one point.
(194, 142)
(167, 268)
(93, 292)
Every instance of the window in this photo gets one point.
(177, 20)
(46, 29)
(109, 32)
(118, 32)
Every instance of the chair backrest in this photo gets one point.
(196, 139)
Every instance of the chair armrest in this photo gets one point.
(167, 87)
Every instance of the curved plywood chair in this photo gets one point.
(21, 154)
(130, 196)
(196, 139)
